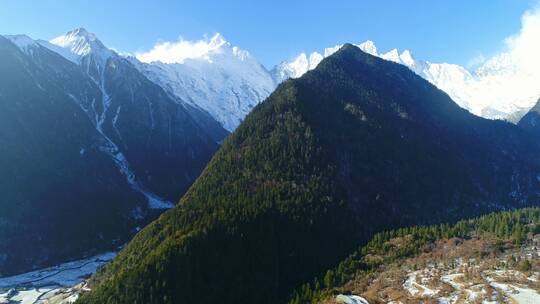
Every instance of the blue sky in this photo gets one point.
(453, 31)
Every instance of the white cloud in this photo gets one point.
(177, 52)
(510, 80)
(525, 46)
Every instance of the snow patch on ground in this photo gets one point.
(418, 289)
(41, 286)
(345, 299)
(519, 294)
(467, 290)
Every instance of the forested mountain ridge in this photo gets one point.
(356, 146)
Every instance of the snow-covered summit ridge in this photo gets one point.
(303, 62)
(79, 43)
(182, 50)
(227, 81)
(483, 92)
(211, 74)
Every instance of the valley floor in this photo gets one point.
(54, 285)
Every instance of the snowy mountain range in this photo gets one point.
(484, 92)
(227, 82)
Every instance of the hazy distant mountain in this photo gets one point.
(89, 148)
(355, 146)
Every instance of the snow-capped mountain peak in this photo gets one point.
(219, 45)
(331, 50)
(293, 69)
(182, 50)
(479, 91)
(217, 41)
(407, 58)
(302, 63)
(392, 55)
(80, 43)
(210, 74)
(368, 47)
